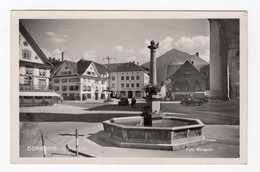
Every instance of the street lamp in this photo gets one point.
(108, 62)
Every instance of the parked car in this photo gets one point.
(187, 101)
(201, 96)
(123, 101)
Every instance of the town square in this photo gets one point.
(129, 88)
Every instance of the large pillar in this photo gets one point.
(218, 61)
(153, 74)
(153, 99)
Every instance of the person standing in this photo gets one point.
(133, 101)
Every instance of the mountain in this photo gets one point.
(168, 63)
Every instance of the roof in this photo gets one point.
(102, 69)
(33, 44)
(73, 65)
(56, 65)
(124, 67)
(81, 66)
(31, 64)
(171, 69)
(186, 65)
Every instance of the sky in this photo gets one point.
(124, 40)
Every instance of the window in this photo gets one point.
(122, 85)
(132, 77)
(64, 80)
(93, 73)
(74, 88)
(36, 57)
(127, 78)
(113, 78)
(132, 85)
(137, 77)
(89, 95)
(122, 78)
(97, 81)
(177, 89)
(88, 88)
(56, 88)
(25, 43)
(185, 89)
(72, 95)
(64, 95)
(127, 85)
(29, 71)
(113, 85)
(137, 85)
(197, 89)
(74, 80)
(64, 88)
(56, 80)
(66, 73)
(26, 54)
(84, 88)
(42, 72)
(187, 75)
(89, 73)
(103, 82)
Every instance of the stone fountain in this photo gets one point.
(154, 129)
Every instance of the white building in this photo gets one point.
(34, 72)
(82, 80)
(127, 79)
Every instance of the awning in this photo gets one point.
(38, 93)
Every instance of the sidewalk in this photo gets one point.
(222, 142)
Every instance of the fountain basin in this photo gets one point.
(168, 133)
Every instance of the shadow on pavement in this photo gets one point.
(115, 107)
(96, 138)
(56, 117)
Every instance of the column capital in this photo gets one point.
(153, 46)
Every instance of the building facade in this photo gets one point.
(34, 73)
(127, 79)
(186, 81)
(83, 80)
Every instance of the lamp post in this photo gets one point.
(108, 62)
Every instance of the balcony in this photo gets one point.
(31, 87)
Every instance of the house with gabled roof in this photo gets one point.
(34, 72)
(81, 80)
(186, 81)
(127, 79)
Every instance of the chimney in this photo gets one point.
(197, 54)
(62, 56)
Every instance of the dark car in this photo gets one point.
(123, 101)
(187, 101)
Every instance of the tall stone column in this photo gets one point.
(153, 74)
(154, 100)
(218, 61)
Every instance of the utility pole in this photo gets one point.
(108, 62)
